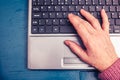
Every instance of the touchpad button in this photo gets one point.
(72, 60)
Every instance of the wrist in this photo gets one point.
(103, 66)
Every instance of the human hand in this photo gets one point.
(99, 51)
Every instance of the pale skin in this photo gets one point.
(99, 52)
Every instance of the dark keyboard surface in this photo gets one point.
(50, 16)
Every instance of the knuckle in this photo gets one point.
(107, 23)
(95, 20)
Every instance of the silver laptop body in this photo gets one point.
(48, 51)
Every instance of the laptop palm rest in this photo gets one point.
(52, 53)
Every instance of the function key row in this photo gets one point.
(75, 2)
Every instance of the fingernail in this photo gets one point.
(82, 10)
(67, 42)
(70, 14)
(103, 10)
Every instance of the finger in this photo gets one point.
(105, 24)
(78, 25)
(75, 20)
(93, 21)
(77, 49)
(88, 26)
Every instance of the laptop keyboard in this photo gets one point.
(50, 16)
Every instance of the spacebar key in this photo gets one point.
(67, 29)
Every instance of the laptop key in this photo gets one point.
(48, 21)
(71, 8)
(61, 2)
(119, 15)
(81, 2)
(112, 21)
(41, 2)
(52, 15)
(117, 29)
(108, 14)
(101, 2)
(67, 2)
(55, 22)
(34, 22)
(117, 21)
(114, 15)
(106, 8)
(41, 21)
(59, 15)
(118, 8)
(111, 29)
(43, 8)
(115, 2)
(56, 29)
(34, 3)
(112, 8)
(77, 8)
(65, 14)
(34, 29)
(74, 2)
(62, 22)
(67, 29)
(98, 8)
(36, 15)
(41, 29)
(47, 2)
(50, 8)
(85, 7)
(108, 2)
(92, 8)
(45, 15)
(54, 2)
(95, 2)
(57, 8)
(36, 9)
(94, 14)
(67, 23)
(98, 15)
(64, 8)
(88, 2)
(49, 29)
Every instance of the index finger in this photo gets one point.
(78, 25)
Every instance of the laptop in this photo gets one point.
(49, 27)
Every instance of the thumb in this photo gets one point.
(77, 50)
